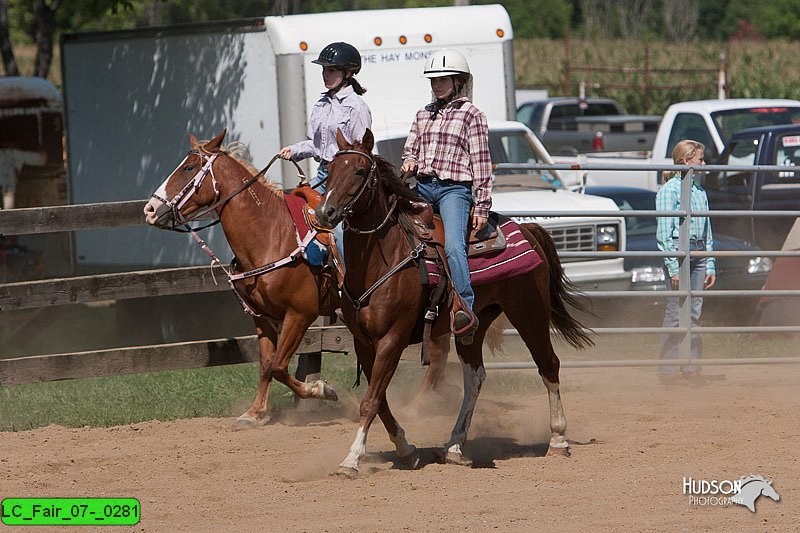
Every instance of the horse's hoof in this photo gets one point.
(348, 472)
(454, 458)
(410, 461)
(249, 422)
(329, 392)
(322, 391)
(558, 452)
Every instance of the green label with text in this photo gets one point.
(70, 511)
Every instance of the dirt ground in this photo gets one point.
(200, 475)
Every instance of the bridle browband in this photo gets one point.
(370, 181)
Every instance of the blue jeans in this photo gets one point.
(452, 200)
(671, 341)
(320, 183)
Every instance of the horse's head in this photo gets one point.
(187, 189)
(350, 174)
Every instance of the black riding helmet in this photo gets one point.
(340, 55)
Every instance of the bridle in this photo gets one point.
(193, 186)
(370, 183)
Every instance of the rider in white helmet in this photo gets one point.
(448, 147)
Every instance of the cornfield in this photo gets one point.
(766, 69)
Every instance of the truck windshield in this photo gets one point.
(730, 121)
(514, 146)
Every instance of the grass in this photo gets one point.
(227, 391)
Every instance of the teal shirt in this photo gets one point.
(669, 199)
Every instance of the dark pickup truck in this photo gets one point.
(757, 190)
(570, 125)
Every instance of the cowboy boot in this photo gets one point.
(463, 322)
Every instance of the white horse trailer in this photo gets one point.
(132, 97)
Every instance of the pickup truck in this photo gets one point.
(571, 125)
(757, 190)
(538, 192)
(712, 122)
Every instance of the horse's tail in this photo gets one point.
(563, 293)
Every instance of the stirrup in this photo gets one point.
(463, 324)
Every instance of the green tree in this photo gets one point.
(37, 21)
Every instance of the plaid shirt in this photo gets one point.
(345, 110)
(669, 199)
(453, 144)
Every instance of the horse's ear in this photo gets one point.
(214, 144)
(341, 141)
(368, 142)
(193, 142)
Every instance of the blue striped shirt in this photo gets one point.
(346, 111)
(669, 199)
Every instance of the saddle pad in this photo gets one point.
(517, 258)
(316, 253)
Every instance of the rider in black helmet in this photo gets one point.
(340, 106)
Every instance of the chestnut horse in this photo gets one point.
(363, 190)
(260, 231)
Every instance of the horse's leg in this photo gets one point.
(294, 327)
(434, 385)
(532, 320)
(474, 375)
(267, 339)
(379, 365)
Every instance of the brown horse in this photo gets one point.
(260, 231)
(363, 190)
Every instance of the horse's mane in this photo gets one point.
(393, 183)
(240, 153)
(748, 479)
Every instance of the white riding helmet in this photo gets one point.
(445, 63)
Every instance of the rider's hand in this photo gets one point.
(710, 280)
(409, 165)
(285, 153)
(478, 222)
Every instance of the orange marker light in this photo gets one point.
(428, 38)
(303, 46)
(403, 39)
(500, 33)
(378, 41)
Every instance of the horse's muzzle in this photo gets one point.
(328, 216)
(156, 213)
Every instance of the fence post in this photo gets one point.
(722, 82)
(685, 269)
(565, 87)
(646, 102)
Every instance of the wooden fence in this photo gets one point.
(119, 286)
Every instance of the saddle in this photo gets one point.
(313, 198)
(429, 228)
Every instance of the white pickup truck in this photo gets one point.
(540, 192)
(711, 122)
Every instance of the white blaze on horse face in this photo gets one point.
(156, 205)
(161, 192)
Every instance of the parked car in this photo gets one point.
(647, 273)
